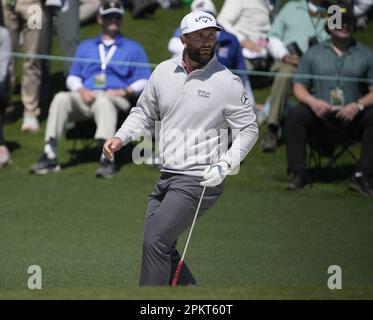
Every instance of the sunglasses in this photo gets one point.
(112, 16)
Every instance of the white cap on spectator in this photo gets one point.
(110, 6)
(203, 5)
(197, 20)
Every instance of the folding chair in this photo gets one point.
(81, 133)
(332, 147)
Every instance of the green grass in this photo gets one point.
(258, 242)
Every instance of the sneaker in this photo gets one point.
(30, 124)
(45, 165)
(361, 184)
(269, 142)
(4, 157)
(106, 169)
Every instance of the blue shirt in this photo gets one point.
(117, 76)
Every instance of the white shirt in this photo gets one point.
(246, 19)
(210, 99)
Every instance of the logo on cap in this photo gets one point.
(205, 19)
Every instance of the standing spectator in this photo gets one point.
(228, 51)
(249, 21)
(5, 49)
(97, 89)
(298, 25)
(63, 15)
(16, 18)
(68, 29)
(333, 105)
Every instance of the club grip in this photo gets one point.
(177, 273)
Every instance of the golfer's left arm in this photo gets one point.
(239, 114)
(241, 119)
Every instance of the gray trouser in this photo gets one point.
(170, 212)
(69, 106)
(68, 28)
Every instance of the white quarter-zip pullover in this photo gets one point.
(200, 105)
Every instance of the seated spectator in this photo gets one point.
(329, 106)
(228, 52)
(98, 90)
(5, 47)
(141, 8)
(298, 25)
(249, 21)
(361, 11)
(87, 10)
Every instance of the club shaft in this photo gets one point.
(194, 221)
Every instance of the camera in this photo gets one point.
(312, 41)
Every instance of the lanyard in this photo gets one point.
(339, 63)
(315, 25)
(105, 58)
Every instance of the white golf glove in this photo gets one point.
(214, 174)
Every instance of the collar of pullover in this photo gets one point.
(181, 63)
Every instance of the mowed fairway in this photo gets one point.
(259, 242)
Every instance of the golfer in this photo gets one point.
(192, 94)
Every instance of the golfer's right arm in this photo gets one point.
(141, 117)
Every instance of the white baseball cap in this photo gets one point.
(197, 20)
(203, 5)
(110, 6)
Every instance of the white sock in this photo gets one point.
(102, 158)
(50, 151)
(358, 174)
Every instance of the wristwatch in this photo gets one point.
(360, 106)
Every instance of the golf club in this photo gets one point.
(181, 262)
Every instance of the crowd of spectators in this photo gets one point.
(296, 45)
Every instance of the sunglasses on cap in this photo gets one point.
(112, 16)
(348, 20)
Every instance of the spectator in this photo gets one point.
(229, 52)
(141, 8)
(5, 47)
(249, 21)
(298, 25)
(361, 10)
(16, 18)
(88, 10)
(63, 15)
(68, 29)
(97, 89)
(332, 105)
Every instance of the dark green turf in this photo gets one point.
(258, 242)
